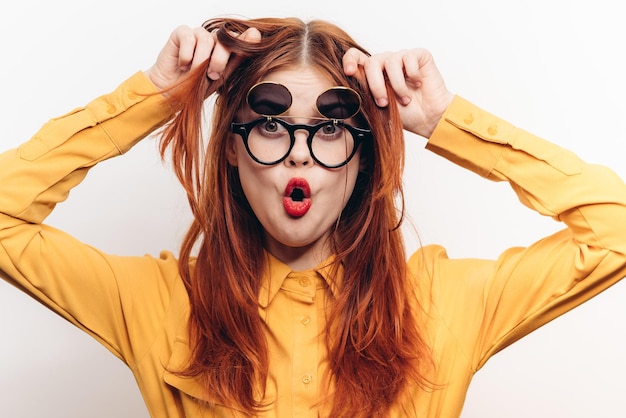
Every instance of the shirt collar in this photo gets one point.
(276, 272)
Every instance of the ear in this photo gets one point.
(231, 151)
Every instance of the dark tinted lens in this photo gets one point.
(269, 99)
(339, 103)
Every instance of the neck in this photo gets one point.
(300, 258)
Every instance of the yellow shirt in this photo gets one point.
(137, 306)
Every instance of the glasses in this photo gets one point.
(269, 139)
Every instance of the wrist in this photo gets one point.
(437, 114)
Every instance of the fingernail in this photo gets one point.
(406, 100)
(213, 75)
(382, 102)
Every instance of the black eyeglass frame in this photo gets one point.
(244, 128)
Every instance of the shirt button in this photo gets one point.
(111, 109)
(307, 378)
(304, 282)
(492, 130)
(306, 320)
(132, 95)
(469, 118)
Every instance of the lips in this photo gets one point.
(297, 197)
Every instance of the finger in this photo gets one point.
(395, 69)
(412, 61)
(374, 72)
(251, 35)
(185, 41)
(219, 59)
(352, 59)
(221, 55)
(205, 43)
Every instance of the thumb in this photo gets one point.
(352, 59)
(250, 35)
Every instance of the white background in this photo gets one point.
(555, 68)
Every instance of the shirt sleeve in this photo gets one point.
(489, 304)
(95, 291)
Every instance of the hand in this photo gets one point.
(420, 91)
(188, 48)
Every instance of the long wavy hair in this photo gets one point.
(375, 350)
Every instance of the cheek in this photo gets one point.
(344, 185)
(238, 157)
(251, 178)
(256, 182)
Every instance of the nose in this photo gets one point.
(299, 154)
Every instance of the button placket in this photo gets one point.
(305, 354)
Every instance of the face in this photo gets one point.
(297, 200)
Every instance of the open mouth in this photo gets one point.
(297, 197)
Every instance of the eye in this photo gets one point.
(329, 129)
(271, 129)
(269, 126)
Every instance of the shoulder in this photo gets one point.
(441, 280)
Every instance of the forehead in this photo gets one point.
(304, 83)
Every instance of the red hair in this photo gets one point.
(374, 346)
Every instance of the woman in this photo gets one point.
(291, 295)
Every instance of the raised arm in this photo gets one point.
(95, 291)
(488, 304)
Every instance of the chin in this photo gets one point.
(297, 243)
(291, 241)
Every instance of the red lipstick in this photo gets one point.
(297, 197)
